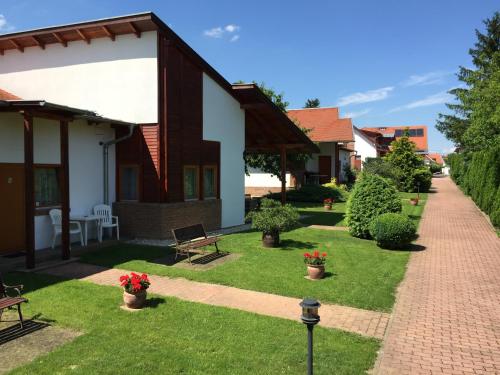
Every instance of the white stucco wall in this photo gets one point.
(344, 157)
(258, 178)
(224, 121)
(117, 79)
(85, 163)
(364, 147)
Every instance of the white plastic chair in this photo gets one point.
(106, 220)
(56, 218)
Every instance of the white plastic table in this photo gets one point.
(85, 219)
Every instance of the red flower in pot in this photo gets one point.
(134, 289)
(315, 264)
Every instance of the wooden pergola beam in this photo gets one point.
(29, 191)
(60, 39)
(83, 36)
(38, 42)
(109, 33)
(134, 29)
(17, 45)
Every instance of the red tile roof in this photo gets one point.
(437, 158)
(325, 124)
(421, 142)
(4, 95)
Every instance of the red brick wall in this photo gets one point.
(156, 220)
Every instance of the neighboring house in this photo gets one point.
(183, 129)
(384, 135)
(365, 147)
(435, 157)
(334, 137)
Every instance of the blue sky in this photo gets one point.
(383, 62)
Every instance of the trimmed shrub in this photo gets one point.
(422, 180)
(372, 196)
(379, 166)
(274, 218)
(435, 167)
(393, 231)
(478, 174)
(311, 193)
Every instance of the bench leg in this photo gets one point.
(216, 247)
(189, 257)
(20, 316)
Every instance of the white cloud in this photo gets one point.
(431, 78)
(5, 26)
(366, 97)
(357, 113)
(231, 28)
(219, 32)
(439, 98)
(215, 32)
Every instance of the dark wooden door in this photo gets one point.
(325, 168)
(11, 208)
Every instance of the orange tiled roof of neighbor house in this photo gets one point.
(438, 158)
(324, 123)
(4, 95)
(420, 141)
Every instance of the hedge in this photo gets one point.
(478, 175)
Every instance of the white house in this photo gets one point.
(365, 146)
(174, 157)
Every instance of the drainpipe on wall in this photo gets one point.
(105, 158)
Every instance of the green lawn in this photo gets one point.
(314, 213)
(358, 272)
(175, 337)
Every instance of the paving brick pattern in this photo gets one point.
(363, 322)
(447, 315)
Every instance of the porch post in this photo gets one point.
(29, 213)
(65, 239)
(283, 174)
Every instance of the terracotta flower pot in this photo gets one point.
(327, 207)
(270, 240)
(135, 301)
(316, 272)
(413, 201)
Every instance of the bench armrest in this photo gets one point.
(17, 288)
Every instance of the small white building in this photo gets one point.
(365, 146)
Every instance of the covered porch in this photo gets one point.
(35, 117)
(268, 130)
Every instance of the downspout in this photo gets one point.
(105, 159)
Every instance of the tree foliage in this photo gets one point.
(271, 163)
(312, 103)
(408, 168)
(475, 121)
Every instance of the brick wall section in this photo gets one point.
(156, 220)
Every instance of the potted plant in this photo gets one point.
(327, 204)
(134, 289)
(414, 201)
(315, 264)
(272, 219)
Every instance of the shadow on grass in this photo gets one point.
(322, 218)
(289, 244)
(154, 302)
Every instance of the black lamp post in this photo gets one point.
(310, 317)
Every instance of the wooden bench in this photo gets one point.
(7, 302)
(191, 238)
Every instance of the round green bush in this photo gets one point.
(371, 196)
(393, 231)
(422, 180)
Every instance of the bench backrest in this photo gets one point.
(2, 289)
(189, 233)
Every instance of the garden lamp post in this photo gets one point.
(310, 318)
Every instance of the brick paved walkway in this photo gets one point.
(447, 315)
(364, 322)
